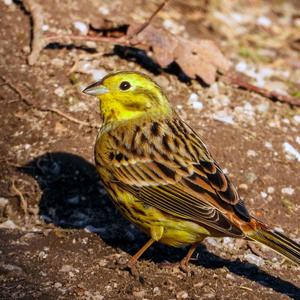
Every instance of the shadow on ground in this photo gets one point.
(73, 197)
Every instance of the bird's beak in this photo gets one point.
(95, 89)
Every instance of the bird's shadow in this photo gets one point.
(73, 197)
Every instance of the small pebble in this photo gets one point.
(193, 98)
(45, 27)
(59, 92)
(57, 62)
(297, 119)
(3, 202)
(288, 191)
(81, 27)
(223, 117)
(104, 10)
(197, 105)
(156, 291)
(8, 2)
(139, 294)
(291, 152)
(264, 21)
(263, 195)
(57, 285)
(270, 190)
(251, 153)
(298, 140)
(254, 259)
(269, 145)
(182, 295)
(9, 224)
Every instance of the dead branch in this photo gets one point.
(18, 91)
(234, 79)
(17, 192)
(143, 26)
(38, 42)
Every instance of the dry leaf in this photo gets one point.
(200, 58)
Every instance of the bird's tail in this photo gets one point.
(273, 239)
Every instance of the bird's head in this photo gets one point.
(128, 95)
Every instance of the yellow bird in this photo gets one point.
(160, 175)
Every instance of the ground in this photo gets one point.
(60, 236)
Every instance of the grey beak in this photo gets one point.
(96, 89)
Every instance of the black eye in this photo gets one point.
(125, 85)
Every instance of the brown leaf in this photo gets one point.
(196, 57)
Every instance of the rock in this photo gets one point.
(59, 91)
(156, 291)
(81, 27)
(182, 295)
(288, 191)
(250, 177)
(254, 259)
(139, 294)
(3, 202)
(291, 152)
(57, 62)
(57, 285)
(197, 105)
(9, 224)
(11, 268)
(251, 153)
(66, 268)
(224, 117)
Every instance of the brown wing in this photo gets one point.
(166, 165)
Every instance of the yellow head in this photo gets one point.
(128, 95)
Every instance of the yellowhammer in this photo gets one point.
(161, 176)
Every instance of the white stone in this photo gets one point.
(297, 119)
(193, 98)
(8, 2)
(251, 153)
(81, 27)
(254, 259)
(263, 195)
(98, 74)
(9, 224)
(241, 67)
(45, 27)
(264, 21)
(270, 190)
(291, 152)
(288, 191)
(104, 10)
(3, 202)
(60, 92)
(269, 145)
(197, 105)
(223, 117)
(263, 107)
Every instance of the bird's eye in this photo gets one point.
(125, 85)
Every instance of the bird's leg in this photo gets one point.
(185, 261)
(135, 257)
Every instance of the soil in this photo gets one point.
(61, 237)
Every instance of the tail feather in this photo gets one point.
(276, 241)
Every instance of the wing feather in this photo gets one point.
(177, 175)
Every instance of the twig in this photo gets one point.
(18, 193)
(234, 79)
(17, 90)
(147, 22)
(37, 40)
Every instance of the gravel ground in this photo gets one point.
(60, 237)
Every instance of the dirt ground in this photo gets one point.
(60, 236)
